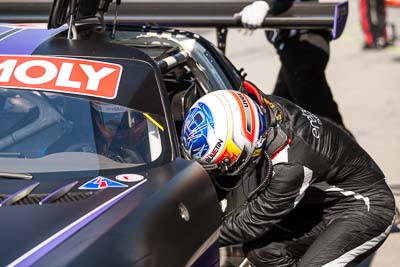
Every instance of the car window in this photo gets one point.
(43, 128)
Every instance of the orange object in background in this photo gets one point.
(392, 3)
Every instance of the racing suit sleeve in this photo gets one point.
(278, 6)
(255, 218)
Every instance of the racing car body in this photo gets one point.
(68, 206)
(90, 168)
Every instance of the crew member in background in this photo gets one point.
(373, 22)
(304, 55)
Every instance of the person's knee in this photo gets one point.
(274, 254)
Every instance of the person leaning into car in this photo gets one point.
(303, 54)
(319, 199)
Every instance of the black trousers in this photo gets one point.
(342, 232)
(302, 79)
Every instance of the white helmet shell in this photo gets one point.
(224, 127)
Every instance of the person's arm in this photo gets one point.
(259, 215)
(253, 15)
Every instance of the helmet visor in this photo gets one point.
(113, 119)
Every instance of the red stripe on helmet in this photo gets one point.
(248, 117)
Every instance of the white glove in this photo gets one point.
(253, 15)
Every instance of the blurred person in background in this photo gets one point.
(304, 55)
(373, 23)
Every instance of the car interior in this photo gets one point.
(183, 87)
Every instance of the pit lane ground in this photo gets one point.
(366, 86)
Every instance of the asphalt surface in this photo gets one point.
(366, 86)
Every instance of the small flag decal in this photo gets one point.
(101, 183)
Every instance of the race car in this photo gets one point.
(91, 173)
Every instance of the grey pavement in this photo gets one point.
(366, 86)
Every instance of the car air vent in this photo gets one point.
(36, 198)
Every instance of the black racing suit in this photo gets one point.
(304, 56)
(327, 201)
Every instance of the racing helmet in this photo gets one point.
(117, 122)
(224, 130)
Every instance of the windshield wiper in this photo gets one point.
(13, 175)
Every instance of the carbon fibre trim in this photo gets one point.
(34, 199)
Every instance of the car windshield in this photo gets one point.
(48, 132)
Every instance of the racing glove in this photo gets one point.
(252, 16)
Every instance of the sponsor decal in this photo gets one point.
(214, 151)
(244, 101)
(100, 183)
(58, 74)
(247, 114)
(315, 123)
(256, 152)
(129, 178)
